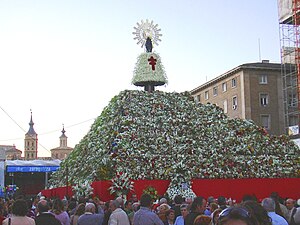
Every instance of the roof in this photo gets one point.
(55, 162)
(62, 148)
(253, 66)
(9, 148)
(63, 133)
(13, 150)
(31, 130)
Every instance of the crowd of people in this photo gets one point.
(198, 211)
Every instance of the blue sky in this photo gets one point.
(66, 59)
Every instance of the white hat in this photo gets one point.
(162, 200)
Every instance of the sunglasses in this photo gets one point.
(234, 211)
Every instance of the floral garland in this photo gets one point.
(150, 190)
(185, 192)
(83, 189)
(121, 185)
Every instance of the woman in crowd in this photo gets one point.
(59, 213)
(215, 216)
(170, 215)
(202, 220)
(19, 211)
(259, 211)
(107, 213)
(80, 209)
(30, 212)
(162, 209)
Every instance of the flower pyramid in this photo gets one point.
(159, 135)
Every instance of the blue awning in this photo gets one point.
(32, 166)
(31, 169)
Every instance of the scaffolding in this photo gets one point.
(289, 22)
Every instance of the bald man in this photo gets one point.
(90, 217)
(44, 216)
(293, 216)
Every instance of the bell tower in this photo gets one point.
(30, 142)
(63, 139)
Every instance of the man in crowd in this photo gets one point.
(222, 202)
(118, 215)
(178, 200)
(293, 215)
(90, 217)
(197, 208)
(144, 216)
(45, 217)
(269, 205)
(210, 200)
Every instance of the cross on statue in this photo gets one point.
(152, 62)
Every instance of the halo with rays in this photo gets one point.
(146, 29)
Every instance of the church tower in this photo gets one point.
(63, 150)
(30, 142)
(63, 139)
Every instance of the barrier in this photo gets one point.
(233, 188)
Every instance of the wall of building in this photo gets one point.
(223, 96)
(248, 91)
(274, 108)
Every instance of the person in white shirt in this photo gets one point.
(19, 211)
(118, 215)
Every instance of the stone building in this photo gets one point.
(10, 152)
(250, 91)
(63, 150)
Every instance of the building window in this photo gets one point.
(225, 106)
(292, 100)
(294, 81)
(293, 120)
(263, 79)
(234, 103)
(264, 99)
(265, 121)
(197, 98)
(233, 82)
(206, 95)
(56, 155)
(215, 91)
(224, 87)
